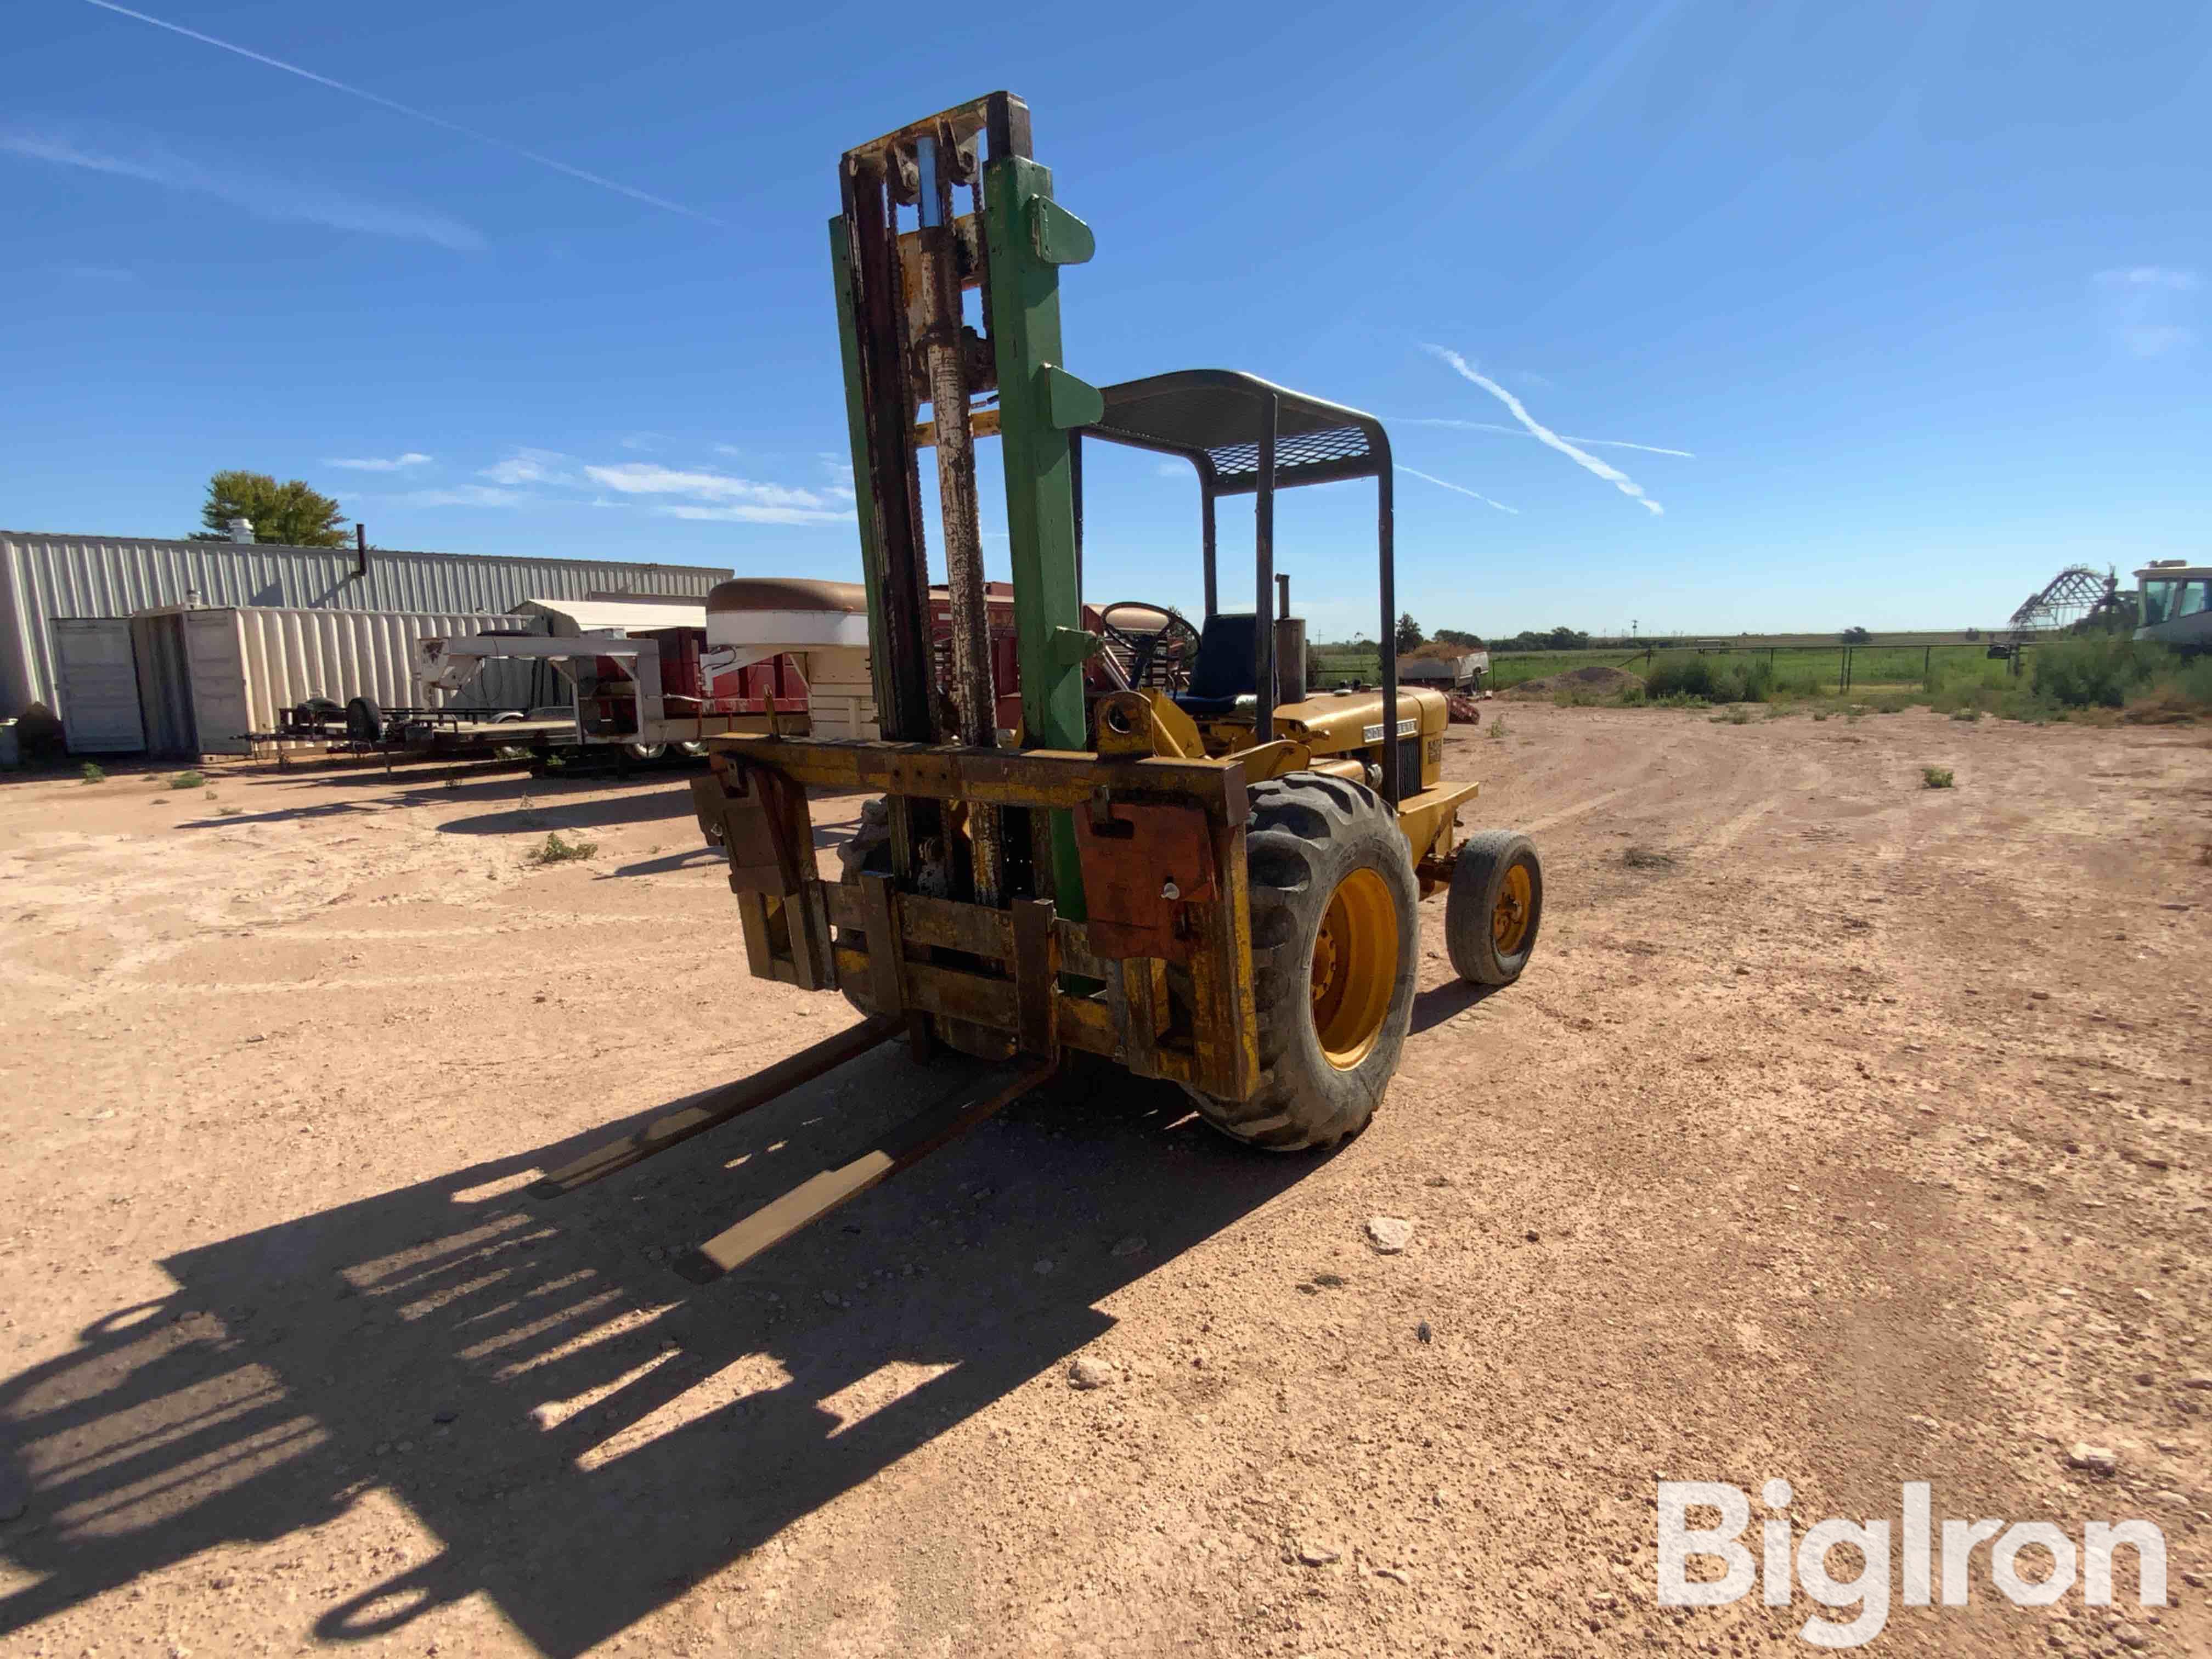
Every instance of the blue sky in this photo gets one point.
(1919, 291)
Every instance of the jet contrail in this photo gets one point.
(1521, 432)
(1613, 474)
(420, 115)
(1448, 485)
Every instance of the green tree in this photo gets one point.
(1409, 632)
(1460, 637)
(1855, 636)
(289, 514)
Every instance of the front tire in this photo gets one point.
(1495, 906)
(1336, 944)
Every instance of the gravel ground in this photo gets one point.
(1844, 1131)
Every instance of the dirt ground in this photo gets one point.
(1844, 1130)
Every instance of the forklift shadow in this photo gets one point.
(588, 1435)
(649, 805)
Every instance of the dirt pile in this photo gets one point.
(1596, 679)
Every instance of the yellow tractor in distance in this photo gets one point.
(1212, 882)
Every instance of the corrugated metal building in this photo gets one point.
(43, 577)
(196, 680)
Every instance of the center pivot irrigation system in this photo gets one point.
(1212, 882)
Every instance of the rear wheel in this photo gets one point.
(364, 720)
(1334, 944)
(1496, 902)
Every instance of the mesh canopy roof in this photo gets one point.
(1212, 416)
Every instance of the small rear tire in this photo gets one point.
(1335, 945)
(1495, 906)
(364, 720)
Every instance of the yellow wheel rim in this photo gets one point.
(1509, 920)
(1355, 968)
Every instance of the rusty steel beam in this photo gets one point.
(696, 1114)
(975, 699)
(906, 1145)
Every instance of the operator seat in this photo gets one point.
(1224, 670)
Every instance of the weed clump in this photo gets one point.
(554, 850)
(187, 781)
(1935, 777)
(1740, 679)
(1647, 858)
(88, 773)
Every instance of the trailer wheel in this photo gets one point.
(364, 720)
(1336, 944)
(646, 751)
(1496, 903)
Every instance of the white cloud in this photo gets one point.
(395, 464)
(1447, 484)
(263, 196)
(416, 115)
(2148, 310)
(2153, 277)
(462, 495)
(753, 513)
(648, 478)
(1522, 432)
(1589, 463)
(529, 466)
(672, 492)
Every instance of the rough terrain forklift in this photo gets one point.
(1213, 884)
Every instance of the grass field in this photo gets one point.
(1800, 670)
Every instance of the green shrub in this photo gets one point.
(1935, 777)
(90, 774)
(556, 851)
(2096, 673)
(1712, 680)
(187, 781)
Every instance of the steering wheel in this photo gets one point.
(1142, 645)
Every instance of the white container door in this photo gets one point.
(217, 660)
(98, 684)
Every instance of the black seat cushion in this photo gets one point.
(1223, 672)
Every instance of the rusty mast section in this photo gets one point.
(908, 344)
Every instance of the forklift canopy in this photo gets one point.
(1247, 436)
(1215, 419)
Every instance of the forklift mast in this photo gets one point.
(905, 259)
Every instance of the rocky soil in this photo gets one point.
(1846, 1131)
